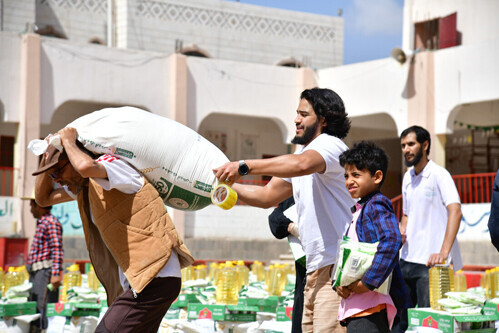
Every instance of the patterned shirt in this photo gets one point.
(377, 222)
(47, 243)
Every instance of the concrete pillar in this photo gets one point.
(306, 79)
(29, 125)
(178, 105)
(421, 102)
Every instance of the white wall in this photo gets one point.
(464, 74)
(476, 19)
(78, 20)
(87, 72)
(10, 81)
(16, 13)
(245, 137)
(226, 30)
(254, 90)
(243, 222)
(370, 88)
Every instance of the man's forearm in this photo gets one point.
(453, 223)
(291, 165)
(257, 196)
(43, 188)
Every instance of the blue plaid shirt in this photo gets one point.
(377, 222)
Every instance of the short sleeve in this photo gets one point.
(120, 175)
(330, 148)
(447, 189)
(405, 181)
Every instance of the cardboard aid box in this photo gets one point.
(284, 313)
(267, 304)
(219, 312)
(448, 323)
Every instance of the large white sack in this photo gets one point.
(175, 159)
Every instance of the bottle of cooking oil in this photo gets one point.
(243, 273)
(23, 274)
(227, 286)
(188, 273)
(491, 283)
(213, 271)
(200, 272)
(496, 281)
(71, 279)
(277, 278)
(460, 281)
(258, 270)
(11, 279)
(92, 280)
(218, 274)
(441, 282)
(2, 278)
(268, 272)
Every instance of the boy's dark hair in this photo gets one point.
(366, 155)
(422, 135)
(328, 105)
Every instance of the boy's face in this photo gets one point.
(360, 183)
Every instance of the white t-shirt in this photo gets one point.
(323, 204)
(425, 200)
(124, 178)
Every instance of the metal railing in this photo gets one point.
(472, 188)
(397, 206)
(475, 188)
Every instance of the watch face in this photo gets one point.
(243, 169)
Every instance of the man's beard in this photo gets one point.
(308, 135)
(416, 159)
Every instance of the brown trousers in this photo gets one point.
(144, 313)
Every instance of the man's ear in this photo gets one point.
(425, 146)
(322, 123)
(378, 177)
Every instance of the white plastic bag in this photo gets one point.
(174, 158)
(353, 260)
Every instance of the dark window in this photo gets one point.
(437, 34)
(194, 54)
(7, 151)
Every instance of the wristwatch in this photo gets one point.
(243, 168)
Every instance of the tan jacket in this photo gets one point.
(133, 231)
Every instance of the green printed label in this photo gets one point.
(124, 153)
(203, 186)
(163, 187)
(182, 199)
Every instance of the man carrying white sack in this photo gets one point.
(136, 252)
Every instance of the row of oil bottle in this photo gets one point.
(443, 279)
(231, 276)
(72, 278)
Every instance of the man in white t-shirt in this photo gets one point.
(315, 178)
(133, 245)
(431, 215)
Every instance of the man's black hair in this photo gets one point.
(366, 155)
(328, 105)
(422, 135)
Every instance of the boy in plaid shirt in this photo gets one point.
(45, 259)
(361, 308)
